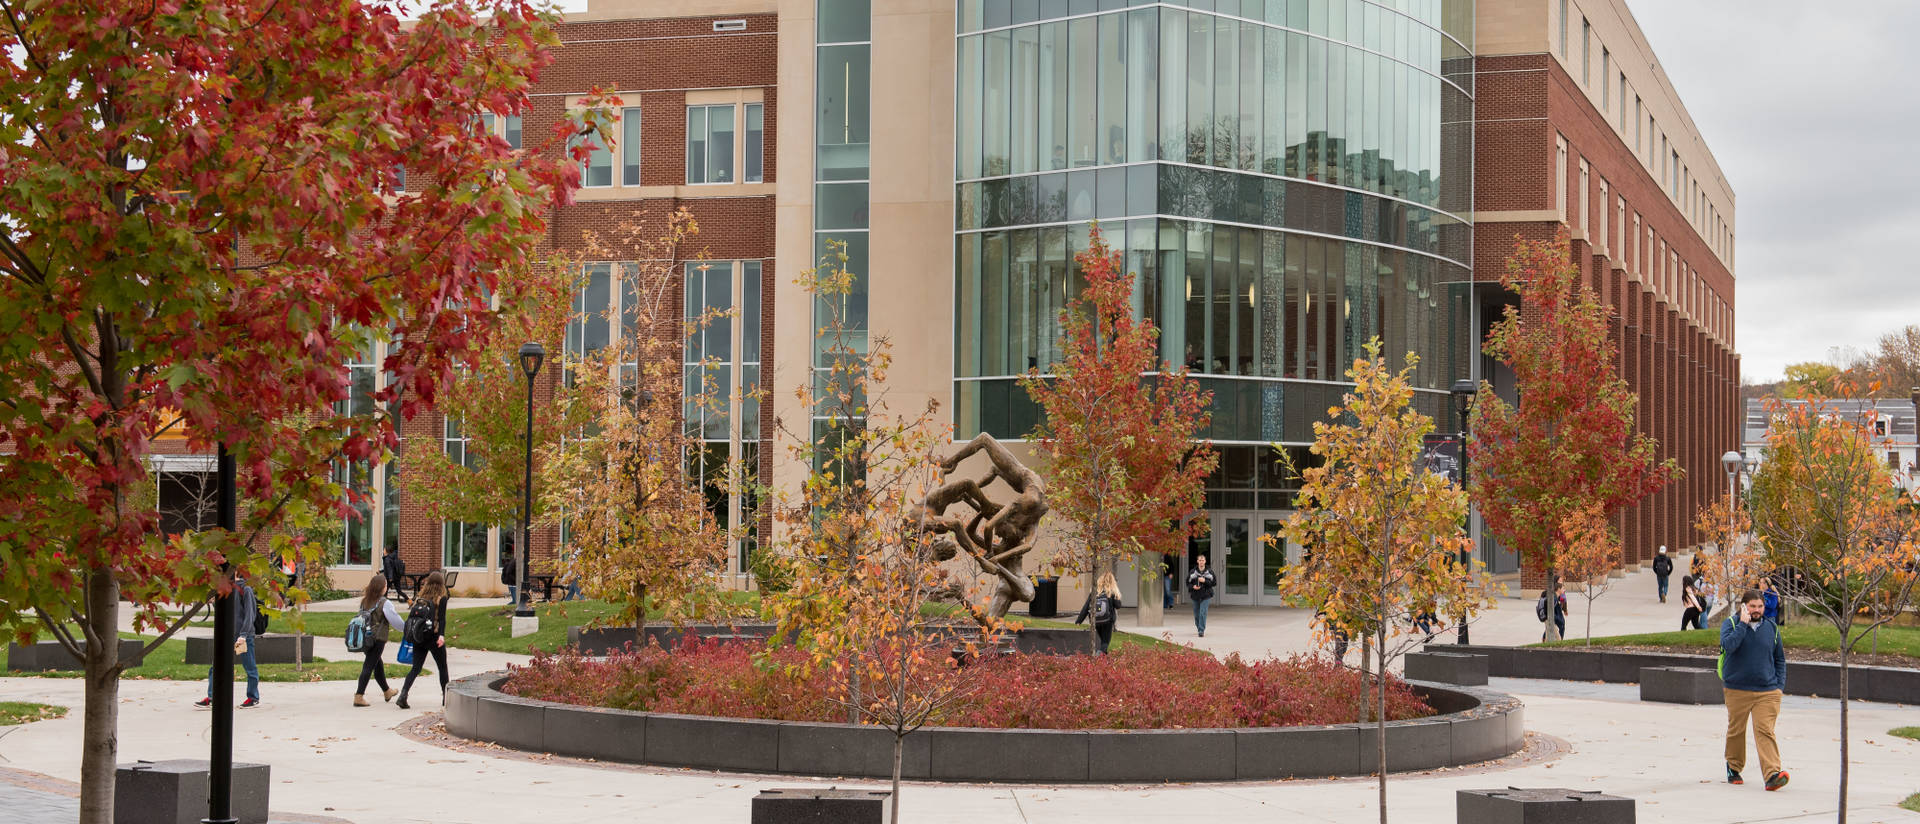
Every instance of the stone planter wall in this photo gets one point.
(271, 648)
(1475, 725)
(44, 656)
(604, 640)
(1895, 686)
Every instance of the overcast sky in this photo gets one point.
(1812, 112)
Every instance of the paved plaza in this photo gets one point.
(382, 765)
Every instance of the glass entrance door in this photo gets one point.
(1250, 561)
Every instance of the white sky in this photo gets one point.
(1810, 109)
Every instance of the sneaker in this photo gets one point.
(1776, 781)
(203, 704)
(1733, 776)
(250, 703)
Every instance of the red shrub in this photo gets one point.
(1130, 689)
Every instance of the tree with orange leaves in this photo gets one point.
(1589, 557)
(1826, 507)
(1384, 529)
(1568, 445)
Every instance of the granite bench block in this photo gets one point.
(1515, 805)
(1681, 685)
(808, 805)
(175, 792)
(1447, 668)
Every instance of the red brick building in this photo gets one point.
(1579, 131)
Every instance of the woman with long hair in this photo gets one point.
(379, 615)
(1103, 608)
(427, 629)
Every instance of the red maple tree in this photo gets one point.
(1125, 470)
(1569, 444)
(205, 218)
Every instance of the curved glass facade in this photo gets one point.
(1286, 177)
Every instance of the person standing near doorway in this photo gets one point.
(1200, 588)
(1662, 567)
(1753, 672)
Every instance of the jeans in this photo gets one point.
(420, 654)
(1200, 613)
(1559, 623)
(1167, 587)
(372, 667)
(1663, 587)
(1105, 631)
(244, 659)
(1706, 606)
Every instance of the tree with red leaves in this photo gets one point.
(1125, 471)
(1569, 445)
(204, 218)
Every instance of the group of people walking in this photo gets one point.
(423, 631)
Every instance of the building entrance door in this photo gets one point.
(1249, 563)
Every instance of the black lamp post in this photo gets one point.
(220, 768)
(1463, 391)
(531, 355)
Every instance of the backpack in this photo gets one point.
(1540, 609)
(360, 630)
(259, 619)
(1103, 610)
(423, 625)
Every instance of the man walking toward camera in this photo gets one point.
(1753, 668)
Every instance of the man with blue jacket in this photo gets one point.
(1753, 669)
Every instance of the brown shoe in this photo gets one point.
(360, 701)
(391, 693)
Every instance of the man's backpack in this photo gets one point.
(360, 630)
(1104, 611)
(259, 619)
(423, 625)
(1540, 609)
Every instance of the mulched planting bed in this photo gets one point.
(1860, 659)
(1138, 688)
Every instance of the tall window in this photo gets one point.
(756, 138)
(710, 144)
(604, 304)
(1563, 28)
(630, 146)
(1560, 179)
(597, 169)
(1606, 80)
(1622, 117)
(1586, 52)
(505, 127)
(462, 545)
(709, 366)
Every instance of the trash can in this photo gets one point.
(1046, 597)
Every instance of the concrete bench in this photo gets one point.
(46, 656)
(175, 792)
(1447, 668)
(272, 648)
(806, 805)
(1515, 805)
(1681, 685)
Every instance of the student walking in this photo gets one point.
(379, 615)
(1559, 605)
(1103, 608)
(395, 570)
(1662, 567)
(1772, 599)
(426, 627)
(1753, 672)
(1690, 599)
(243, 604)
(1200, 588)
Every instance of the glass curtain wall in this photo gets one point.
(843, 97)
(1286, 180)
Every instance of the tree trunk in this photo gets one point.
(1380, 722)
(1153, 590)
(99, 734)
(1093, 575)
(1843, 726)
(1553, 581)
(1366, 647)
(1589, 621)
(639, 613)
(899, 743)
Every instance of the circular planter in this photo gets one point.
(1816, 678)
(1473, 725)
(605, 640)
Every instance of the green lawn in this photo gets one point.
(1906, 732)
(169, 663)
(22, 712)
(1912, 803)
(1803, 635)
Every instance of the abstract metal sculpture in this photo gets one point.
(998, 536)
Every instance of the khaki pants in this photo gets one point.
(1764, 707)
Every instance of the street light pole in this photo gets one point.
(220, 768)
(531, 354)
(1734, 463)
(1463, 392)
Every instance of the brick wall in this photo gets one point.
(1687, 381)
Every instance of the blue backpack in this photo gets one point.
(360, 630)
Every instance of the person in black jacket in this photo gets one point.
(432, 597)
(394, 569)
(1662, 567)
(1200, 588)
(1103, 608)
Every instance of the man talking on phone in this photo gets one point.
(1753, 669)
